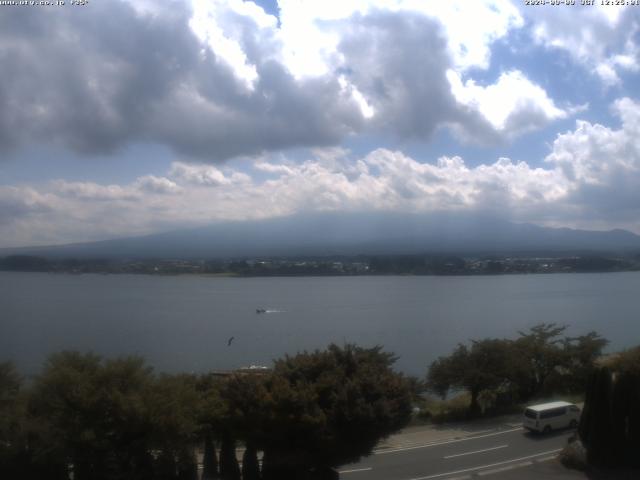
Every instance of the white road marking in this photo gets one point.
(418, 443)
(493, 471)
(486, 466)
(545, 459)
(383, 452)
(355, 470)
(477, 451)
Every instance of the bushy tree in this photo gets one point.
(331, 407)
(581, 354)
(115, 419)
(517, 369)
(243, 416)
(14, 454)
(110, 418)
(546, 362)
(485, 365)
(174, 408)
(539, 354)
(315, 410)
(96, 412)
(210, 418)
(627, 361)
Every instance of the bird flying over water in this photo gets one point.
(229, 341)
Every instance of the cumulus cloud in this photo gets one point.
(603, 38)
(147, 185)
(513, 104)
(221, 78)
(17, 203)
(590, 177)
(96, 80)
(161, 185)
(204, 175)
(383, 180)
(311, 31)
(94, 191)
(603, 166)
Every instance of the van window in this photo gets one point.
(530, 413)
(554, 412)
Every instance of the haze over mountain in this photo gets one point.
(350, 234)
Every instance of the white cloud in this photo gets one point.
(273, 168)
(589, 179)
(141, 188)
(310, 30)
(220, 79)
(365, 108)
(94, 191)
(603, 168)
(19, 202)
(512, 104)
(154, 184)
(224, 37)
(601, 37)
(206, 175)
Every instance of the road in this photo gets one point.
(483, 453)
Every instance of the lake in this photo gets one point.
(183, 323)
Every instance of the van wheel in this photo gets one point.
(573, 424)
(547, 429)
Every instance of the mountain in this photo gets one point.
(350, 234)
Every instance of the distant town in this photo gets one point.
(330, 266)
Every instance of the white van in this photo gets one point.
(551, 416)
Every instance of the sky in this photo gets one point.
(122, 117)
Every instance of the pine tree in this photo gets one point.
(210, 460)
(229, 468)
(250, 466)
(166, 468)
(187, 465)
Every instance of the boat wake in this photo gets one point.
(264, 310)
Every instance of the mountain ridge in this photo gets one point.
(328, 234)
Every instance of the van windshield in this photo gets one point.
(530, 413)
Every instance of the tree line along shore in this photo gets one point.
(87, 417)
(334, 266)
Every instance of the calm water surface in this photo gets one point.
(183, 323)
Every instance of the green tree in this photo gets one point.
(539, 352)
(212, 421)
(627, 361)
(14, 454)
(485, 365)
(243, 417)
(96, 414)
(581, 354)
(174, 408)
(166, 467)
(229, 468)
(209, 460)
(331, 407)
(187, 466)
(250, 465)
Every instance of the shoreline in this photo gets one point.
(311, 275)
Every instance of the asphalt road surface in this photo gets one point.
(482, 454)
